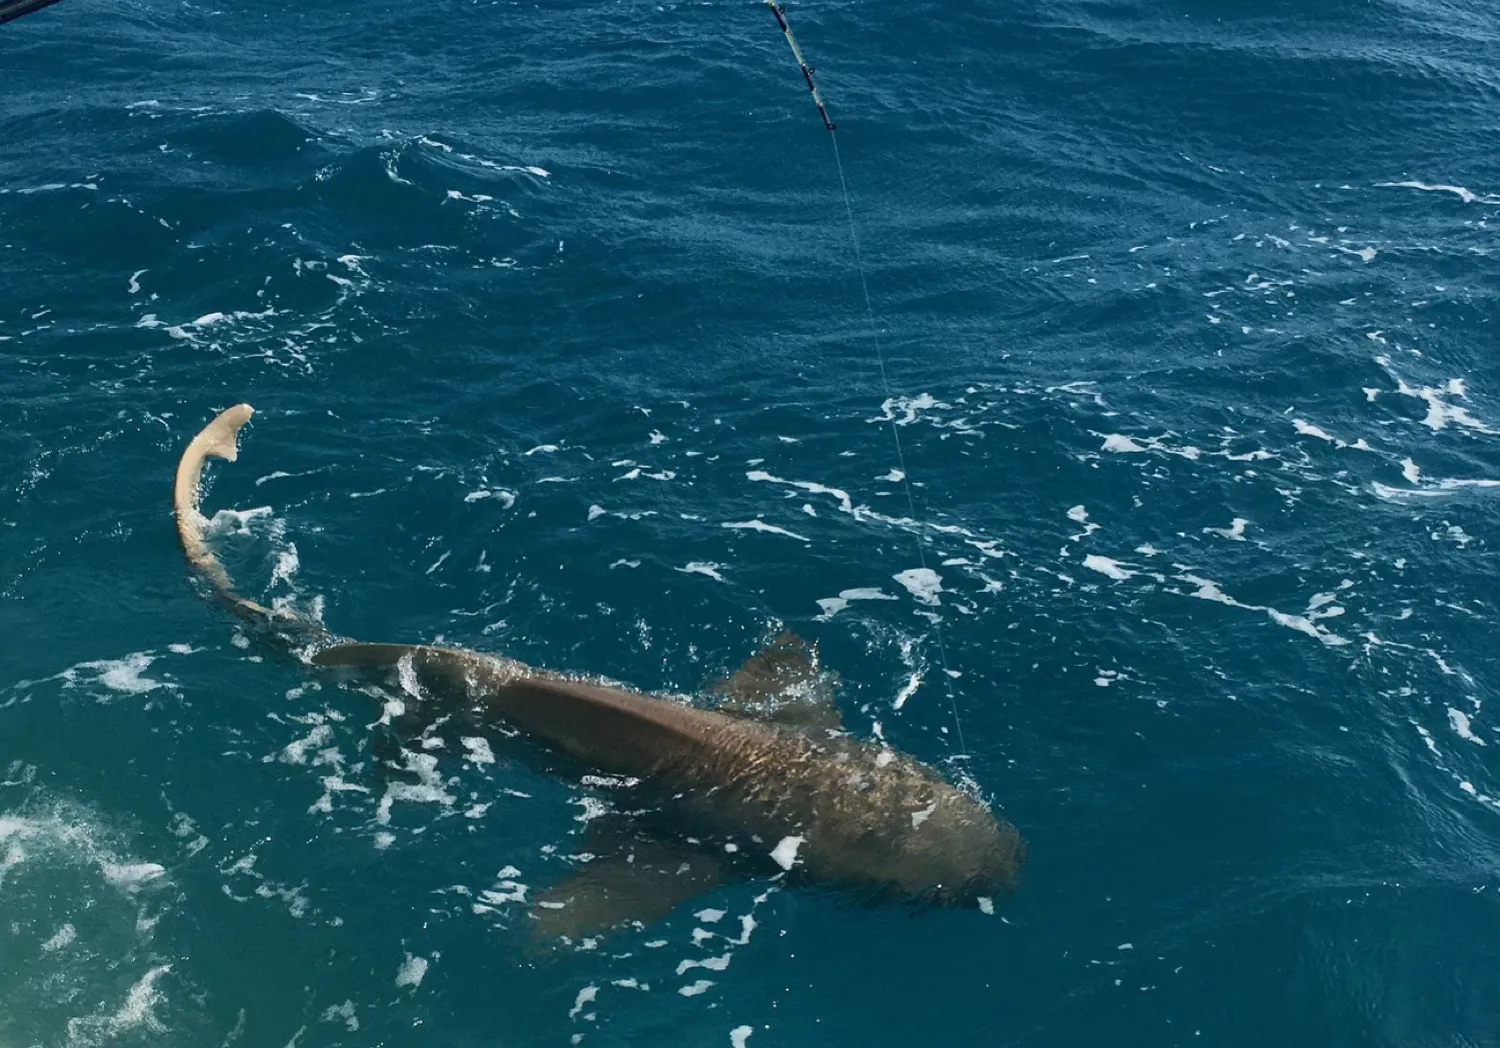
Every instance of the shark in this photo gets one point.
(756, 778)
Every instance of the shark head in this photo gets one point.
(951, 851)
(891, 826)
(965, 853)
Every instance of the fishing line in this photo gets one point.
(864, 285)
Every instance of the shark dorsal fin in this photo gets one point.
(782, 683)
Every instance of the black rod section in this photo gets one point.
(13, 9)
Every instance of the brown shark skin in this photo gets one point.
(867, 816)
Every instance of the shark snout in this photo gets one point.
(986, 870)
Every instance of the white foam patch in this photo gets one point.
(406, 676)
(712, 964)
(1235, 531)
(986, 905)
(760, 525)
(131, 876)
(636, 472)
(702, 568)
(343, 1013)
(1411, 471)
(711, 916)
(1427, 738)
(1440, 413)
(922, 583)
(785, 853)
(1439, 488)
(586, 996)
(833, 605)
(1462, 726)
(478, 750)
(235, 521)
(908, 689)
(845, 502)
(697, 988)
(506, 890)
(1122, 445)
(1390, 494)
(739, 1037)
(1466, 195)
(427, 790)
(1307, 429)
(1301, 624)
(52, 187)
(1079, 514)
(412, 971)
(61, 940)
(65, 834)
(747, 922)
(295, 752)
(1106, 566)
(135, 1013)
(125, 675)
(507, 499)
(1209, 590)
(909, 405)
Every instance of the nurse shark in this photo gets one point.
(765, 782)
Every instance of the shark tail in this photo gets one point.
(218, 439)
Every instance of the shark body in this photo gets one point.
(761, 784)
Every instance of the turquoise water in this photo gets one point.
(558, 349)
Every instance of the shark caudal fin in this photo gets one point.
(215, 440)
(218, 439)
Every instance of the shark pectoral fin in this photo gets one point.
(645, 883)
(782, 683)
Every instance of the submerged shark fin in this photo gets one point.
(365, 656)
(782, 683)
(645, 880)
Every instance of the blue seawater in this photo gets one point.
(553, 322)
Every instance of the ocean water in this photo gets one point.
(553, 323)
